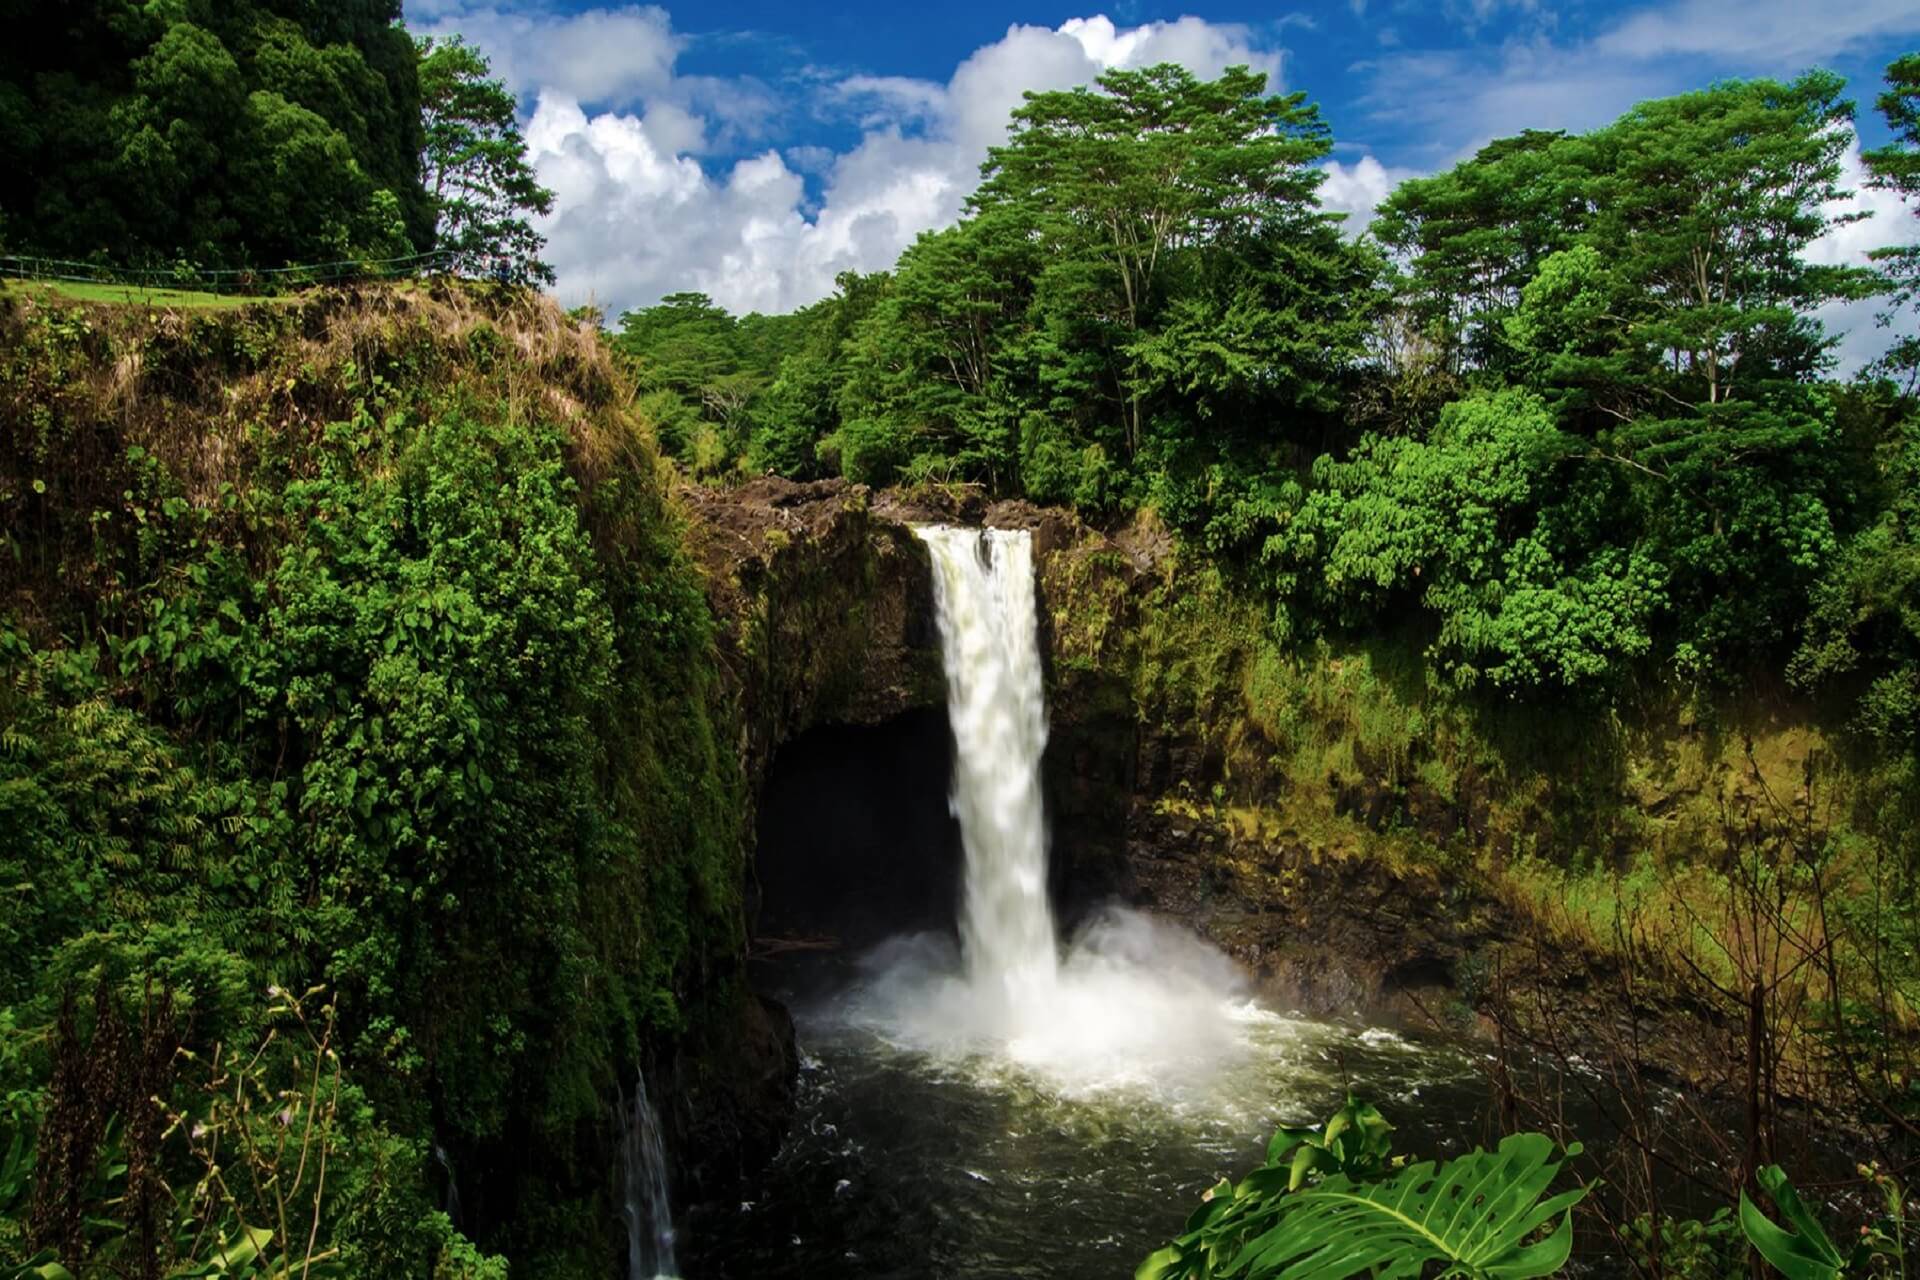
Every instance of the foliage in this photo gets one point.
(1682, 497)
(700, 376)
(476, 170)
(1692, 1248)
(233, 134)
(401, 683)
(1337, 1208)
(1802, 1250)
(1143, 284)
(1896, 167)
(1863, 623)
(1500, 535)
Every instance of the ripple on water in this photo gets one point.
(925, 1149)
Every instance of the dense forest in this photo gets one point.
(371, 808)
(1570, 400)
(256, 135)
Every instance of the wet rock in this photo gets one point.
(726, 1097)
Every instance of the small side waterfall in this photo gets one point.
(648, 1213)
(983, 588)
(452, 1203)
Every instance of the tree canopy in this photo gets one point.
(1568, 404)
(475, 167)
(247, 133)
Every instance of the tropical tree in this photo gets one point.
(1115, 180)
(934, 383)
(474, 165)
(1896, 167)
(1145, 287)
(1469, 240)
(1650, 282)
(796, 421)
(235, 134)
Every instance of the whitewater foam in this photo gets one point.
(1131, 1003)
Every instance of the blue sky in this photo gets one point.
(753, 149)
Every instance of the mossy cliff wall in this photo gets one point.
(1358, 838)
(355, 642)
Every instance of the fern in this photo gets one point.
(1477, 1215)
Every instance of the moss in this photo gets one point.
(394, 578)
(1585, 820)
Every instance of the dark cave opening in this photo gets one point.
(856, 842)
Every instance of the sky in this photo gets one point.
(752, 149)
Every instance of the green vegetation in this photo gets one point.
(144, 137)
(1896, 167)
(127, 295)
(476, 168)
(234, 136)
(348, 642)
(1332, 1202)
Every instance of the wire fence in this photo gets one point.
(231, 280)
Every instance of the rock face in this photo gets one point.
(825, 599)
(1192, 767)
(826, 610)
(825, 618)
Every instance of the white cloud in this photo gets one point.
(611, 56)
(1889, 222)
(1357, 189)
(1785, 33)
(636, 216)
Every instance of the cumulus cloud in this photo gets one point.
(637, 216)
(1357, 189)
(1888, 222)
(612, 57)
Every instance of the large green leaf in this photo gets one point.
(1478, 1214)
(1806, 1253)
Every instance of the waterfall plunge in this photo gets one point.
(1132, 1003)
(983, 587)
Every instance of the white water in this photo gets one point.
(648, 1213)
(1132, 1003)
(983, 588)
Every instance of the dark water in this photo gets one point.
(906, 1162)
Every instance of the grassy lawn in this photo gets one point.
(131, 295)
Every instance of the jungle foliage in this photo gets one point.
(243, 134)
(1334, 1202)
(1573, 413)
(256, 135)
(349, 644)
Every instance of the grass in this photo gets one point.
(132, 295)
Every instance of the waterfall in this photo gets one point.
(1132, 1002)
(989, 645)
(648, 1213)
(451, 1206)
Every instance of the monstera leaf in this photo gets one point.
(1477, 1215)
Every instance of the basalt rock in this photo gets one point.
(826, 610)
(825, 617)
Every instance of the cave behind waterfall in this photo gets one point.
(856, 839)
